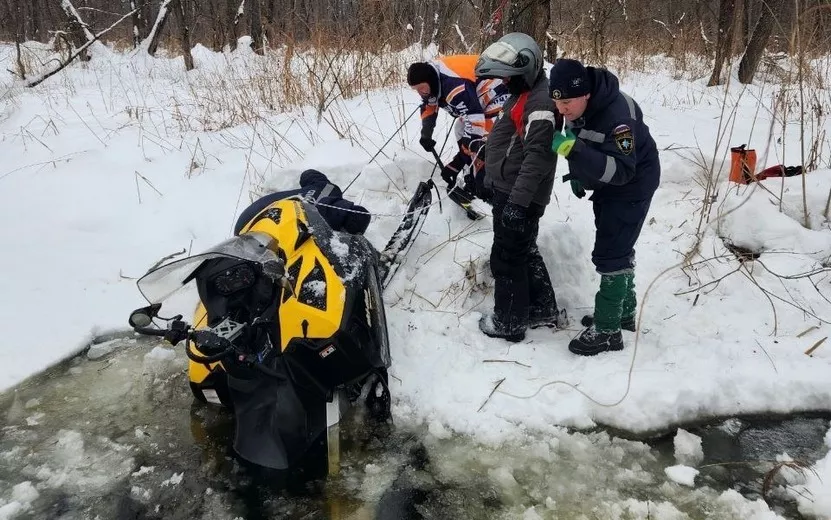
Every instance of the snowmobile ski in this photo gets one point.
(457, 195)
(461, 198)
(401, 241)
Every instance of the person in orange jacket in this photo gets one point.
(449, 82)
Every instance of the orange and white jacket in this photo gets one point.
(475, 102)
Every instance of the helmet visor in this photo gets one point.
(502, 52)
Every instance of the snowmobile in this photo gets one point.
(290, 329)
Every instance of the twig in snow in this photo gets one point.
(491, 394)
(816, 346)
(806, 331)
(148, 183)
(711, 282)
(768, 355)
(505, 361)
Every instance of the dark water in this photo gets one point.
(120, 437)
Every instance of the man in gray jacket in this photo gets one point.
(519, 166)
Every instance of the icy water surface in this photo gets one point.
(114, 434)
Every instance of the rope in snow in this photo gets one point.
(374, 214)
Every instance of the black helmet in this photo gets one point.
(515, 54)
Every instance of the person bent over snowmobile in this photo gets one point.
(520, 171)
(339, 213)
(450, 83)
(614, 155)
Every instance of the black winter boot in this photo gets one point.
(492, 326)
(553, 320)
(591, 342)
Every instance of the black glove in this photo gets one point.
(427, 143)
(513, 217)
(449, 174)
(577, 189)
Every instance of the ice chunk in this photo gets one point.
(688, 448)
(161, 354)
(438, 430)
(683, 475)
(25, 493)
(99, 350)
(143, 471)
(175, 480)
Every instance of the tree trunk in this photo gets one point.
(490, 22)
(77, 28)
(531, 17)
(152, 40)
(255, 15)
(36, 22)
(774, 12)
(231, 18)
(184, 32)
(724, 38)
(138, 24)
(17, 18)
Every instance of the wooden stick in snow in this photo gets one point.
(491, 394)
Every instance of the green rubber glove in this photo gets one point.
(563, 143)
(577, 188)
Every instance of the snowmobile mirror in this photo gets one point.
(143, 317)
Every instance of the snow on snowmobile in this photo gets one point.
(289, 332)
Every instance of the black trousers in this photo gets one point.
(522, 283)
(618, 225)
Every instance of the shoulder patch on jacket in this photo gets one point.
(624, 139)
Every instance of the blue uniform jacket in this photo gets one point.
(614, 154)
(315, 185)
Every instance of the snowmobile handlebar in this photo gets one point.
(178, 331)
(216, 347)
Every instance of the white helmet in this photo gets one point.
(515, 54)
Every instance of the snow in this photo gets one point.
(814, 497)
(683, 475)
(174, 480)
(22, 496)
(688, 448)
(112, 165)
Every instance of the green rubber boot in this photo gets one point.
(630, 303)
(604, 334)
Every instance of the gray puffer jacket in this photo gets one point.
(519, 160)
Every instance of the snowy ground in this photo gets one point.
(109, 167)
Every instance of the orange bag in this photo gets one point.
(742, 164)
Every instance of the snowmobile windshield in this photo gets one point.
(160, 283)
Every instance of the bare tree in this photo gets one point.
(724, 38)
(256, 27)
(18, 21)
(775, 13)
(138, 24)
(78, 29)
(151, 43)
(184, 32)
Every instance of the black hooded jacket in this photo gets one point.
(315, 185)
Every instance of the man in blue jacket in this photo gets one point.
(613, 155)
(339, 213)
